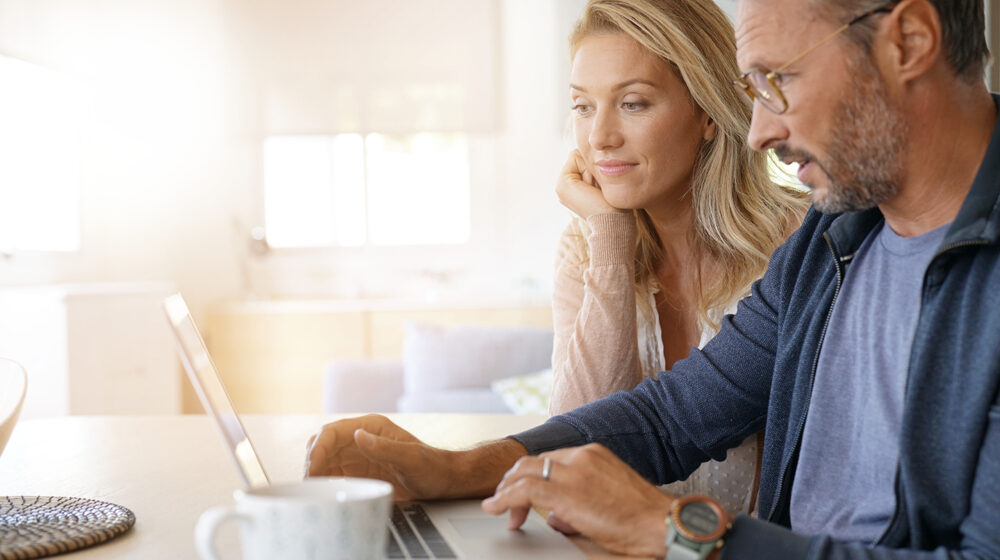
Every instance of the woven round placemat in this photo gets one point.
(39, 526)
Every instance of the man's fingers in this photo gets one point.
(559, 525)
(336, 451)
(323, 456)
(523, 493)
(524, 467)
(367, 441)
(518, 498)
(518, 516)
(315, 458)
(380, 449)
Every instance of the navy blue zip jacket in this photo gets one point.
(758, 373)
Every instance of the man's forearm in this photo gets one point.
(478, 471)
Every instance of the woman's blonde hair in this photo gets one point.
(740, 215)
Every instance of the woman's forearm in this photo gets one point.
(594, 311)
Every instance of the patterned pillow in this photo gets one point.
(526, 394)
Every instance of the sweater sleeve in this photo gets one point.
(593, 310)
(666, 426)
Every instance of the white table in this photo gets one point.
(169, 469)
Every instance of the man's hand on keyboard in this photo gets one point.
(373, 447)
(590, 490)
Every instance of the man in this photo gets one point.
(870, 350)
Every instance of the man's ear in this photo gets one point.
(913, 42)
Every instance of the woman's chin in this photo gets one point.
(623, 203)
(621, 197)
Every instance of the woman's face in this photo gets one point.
(637, 128)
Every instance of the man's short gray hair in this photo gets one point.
(963, 29)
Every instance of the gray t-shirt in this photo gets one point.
(844, 482)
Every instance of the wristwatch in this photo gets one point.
(695, 528)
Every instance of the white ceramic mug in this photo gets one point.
(321, 518)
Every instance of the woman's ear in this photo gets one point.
(709, 129)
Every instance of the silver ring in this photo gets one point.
(547, 468)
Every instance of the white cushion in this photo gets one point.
(453, 400)
(438, 358)
(526, 394)
(362, 385)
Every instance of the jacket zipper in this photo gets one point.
(838, 264)
(947, 248)
(894, 520)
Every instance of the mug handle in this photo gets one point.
(208, 524)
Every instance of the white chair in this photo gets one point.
(13, 386)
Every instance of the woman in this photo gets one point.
(677, 217)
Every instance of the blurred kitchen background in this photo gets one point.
(312, 175)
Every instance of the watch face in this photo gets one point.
(699, 519)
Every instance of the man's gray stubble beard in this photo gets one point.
(866, 145)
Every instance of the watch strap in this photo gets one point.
(681, 553)
(678, 548)
(677, 552)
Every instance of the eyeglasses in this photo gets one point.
(765, 87)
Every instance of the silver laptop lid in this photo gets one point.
(212, 394)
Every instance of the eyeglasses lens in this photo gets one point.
(765, 92)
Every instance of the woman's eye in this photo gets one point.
(580, 109)
(632, 106)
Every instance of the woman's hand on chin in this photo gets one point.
(578, 191)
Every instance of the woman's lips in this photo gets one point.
(613, 168)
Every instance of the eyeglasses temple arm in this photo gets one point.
(883, 9)
(812, 48)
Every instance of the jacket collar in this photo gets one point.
(978, 218)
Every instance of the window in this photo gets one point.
(784, 174)
(369, 137)
(350, 190)
(39, 159)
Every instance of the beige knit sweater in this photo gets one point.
(608, 338)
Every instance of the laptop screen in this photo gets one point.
(212, 394)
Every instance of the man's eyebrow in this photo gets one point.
(618, 86)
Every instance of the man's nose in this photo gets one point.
(767, 128)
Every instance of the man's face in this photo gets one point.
(841, 126)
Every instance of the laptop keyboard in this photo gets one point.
(412, 534)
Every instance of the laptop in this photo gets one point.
(445, 529)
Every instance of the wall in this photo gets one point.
(516, 219)
(170, 175)
(160, 183)
(728, 6)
